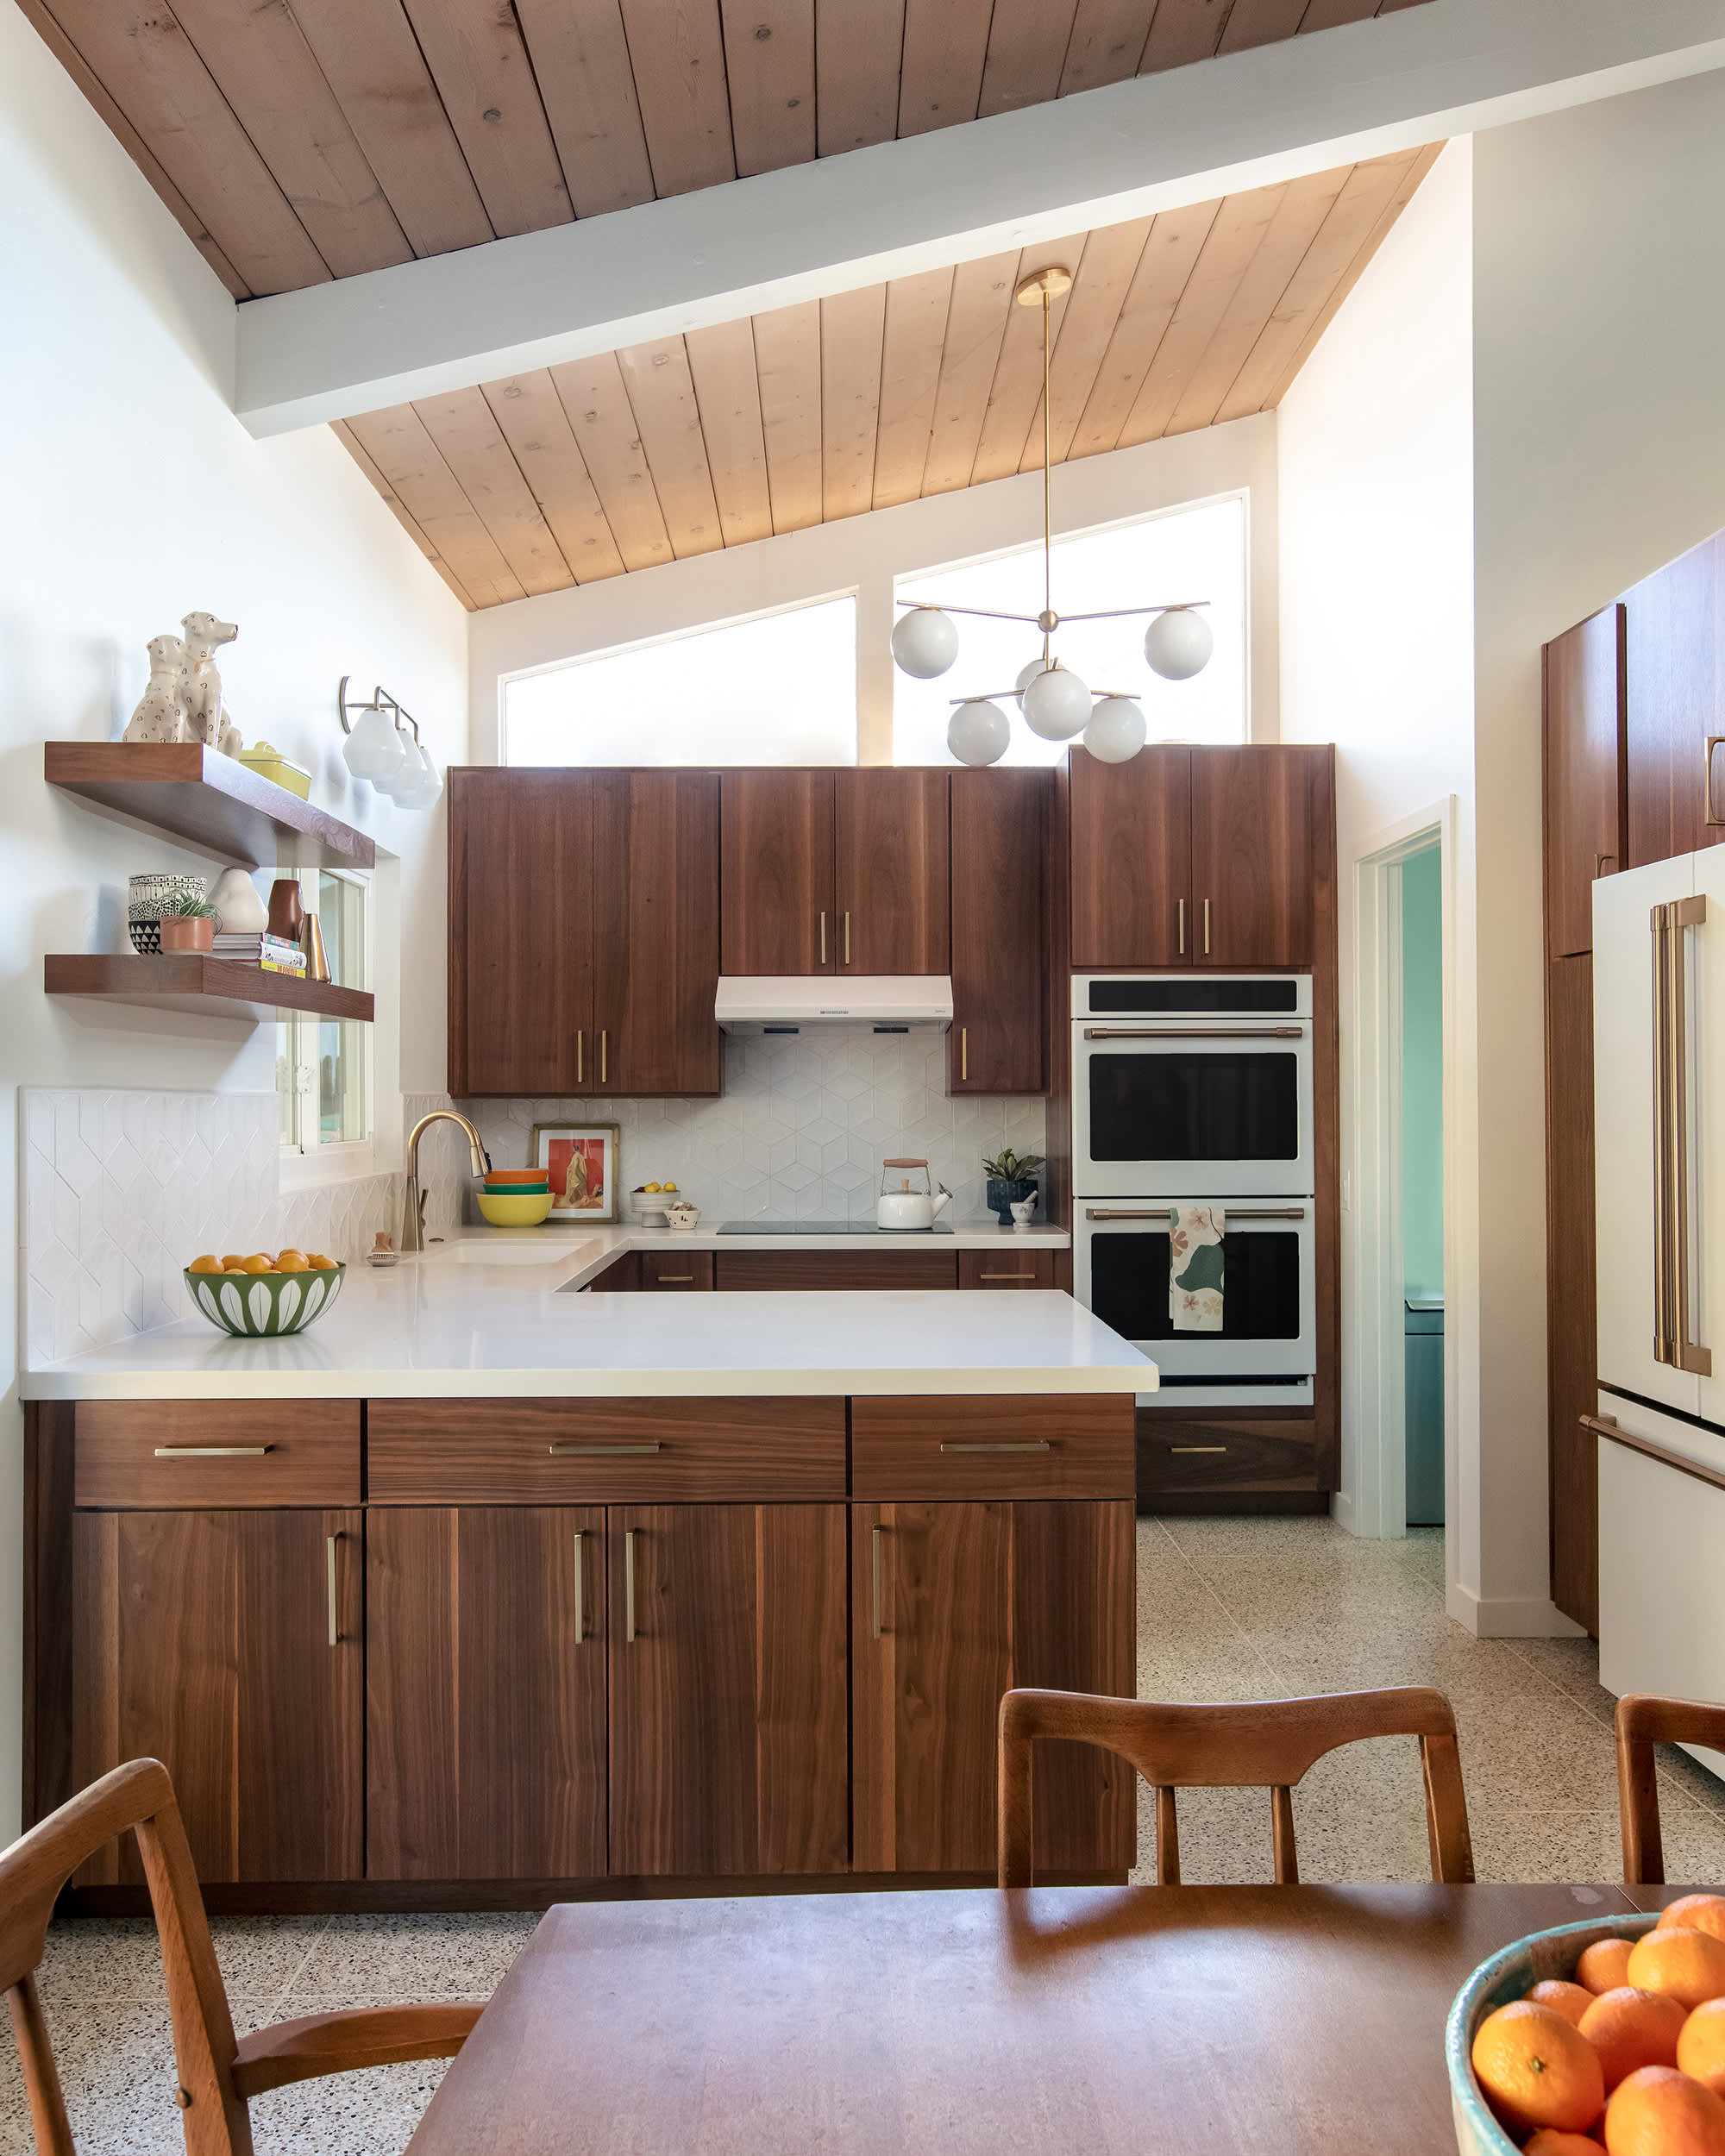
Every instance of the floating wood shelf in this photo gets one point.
(209, 987)
(208, 799)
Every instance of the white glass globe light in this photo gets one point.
(1178, 644)
(978, 732)
(1026, 678)
(925, 643)
(1056, 705)
(374, 749)
(422, 785)
(1116, 731)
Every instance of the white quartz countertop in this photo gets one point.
(490, 1314)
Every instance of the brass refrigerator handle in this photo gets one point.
(1691, 912)
(330, 1542)
(1661, 973)
(580, 1589)
(1707, 815)
(628, 1586)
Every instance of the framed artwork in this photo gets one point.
(580, 1162)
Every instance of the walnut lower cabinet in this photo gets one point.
(565, 1639)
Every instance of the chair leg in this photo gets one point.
(1167, 1840)
(1638, 1807)
(1281, 1836)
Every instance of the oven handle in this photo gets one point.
(1160, 1213)
(1195, 1032)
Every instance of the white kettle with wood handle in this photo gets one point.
(901, 1204)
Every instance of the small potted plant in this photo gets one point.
(1011, 1179)
(188, 922)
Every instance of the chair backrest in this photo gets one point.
(1268, 1744)
(139, 1796)
(1644, 1720)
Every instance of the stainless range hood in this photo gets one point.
(794, 1003)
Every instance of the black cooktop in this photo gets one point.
(823, 1227)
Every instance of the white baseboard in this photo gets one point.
(1341, 1509)
(1510, 1617)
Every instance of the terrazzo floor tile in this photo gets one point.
(372, 2113)
(414, 1957)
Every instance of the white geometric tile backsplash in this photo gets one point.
(800, 1130)
(120, 1188)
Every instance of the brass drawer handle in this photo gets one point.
(212, 1451)
(874, 1557)
(629, 1585)
(847, 939)
(673, 1280)
(1197, 1448)
(593, 1451)
(1180, 904)
(1206, 928)
(1006, 1276)
(603, 1039)
(1035, 1444)
(964, 1054)
(823, 938)
(580, 1589)
(330, 1542)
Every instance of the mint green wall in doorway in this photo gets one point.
(1422, 1074)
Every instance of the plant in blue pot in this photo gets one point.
(1011, 1179)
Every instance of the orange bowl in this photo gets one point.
(497, 1176)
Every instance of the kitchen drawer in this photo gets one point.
(1006, 1268)
(989, 1444)
(761, 1271)
(678, 1272)
(1242, 1457)
(167, 1454)
(604, 1452)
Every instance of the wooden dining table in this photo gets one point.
(976, 2023)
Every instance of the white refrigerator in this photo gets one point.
(1658, 1051)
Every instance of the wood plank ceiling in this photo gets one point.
(874, 398)
(298, 140)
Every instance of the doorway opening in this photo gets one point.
(1402, 1393)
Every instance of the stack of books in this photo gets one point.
(274, 953)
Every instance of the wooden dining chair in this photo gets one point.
(1644, 1720)
(1268, 1744)
(217, 2075)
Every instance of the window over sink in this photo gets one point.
(323, 1080)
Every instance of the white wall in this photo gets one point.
(132, 496)
(865, 554)
(1599, 454)
(1376, 463)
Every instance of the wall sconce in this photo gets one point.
(380, 750)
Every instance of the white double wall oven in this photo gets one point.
(1197, 1088)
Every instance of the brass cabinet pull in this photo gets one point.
(335, 1627)
(1671, 1342)
(580, 1589)
(1599, 861)
(1206, 928)
(581, 1035)
(963, 1053)
(593, 1451)
(673, 1280)
(603, 1039)
(1033, 1444)
(212, 1451)
(822, 936)
(1197, 1448)
(628, 1586)
(874, 1560)
(1006, 1276)
(1707, 815)
(847, 939)
(1181, 905)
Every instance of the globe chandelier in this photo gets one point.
(1056, 703)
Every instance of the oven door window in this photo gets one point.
(1194, 1104)
(1260, 1286)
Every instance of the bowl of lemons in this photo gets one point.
(264, 1298)
(647, 1201)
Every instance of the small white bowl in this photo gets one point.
(686, 1217)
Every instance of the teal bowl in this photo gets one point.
(265, 1305)
(1508, 1976)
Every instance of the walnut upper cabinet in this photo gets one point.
(1197, 857)
(999, 1042)
(1674, 708)
(583, 932)
(1586, 804)
(835, 872)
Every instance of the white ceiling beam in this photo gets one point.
(1248, 120)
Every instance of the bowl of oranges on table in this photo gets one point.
(262, 1297)
(1598, 2038)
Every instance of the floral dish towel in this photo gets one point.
(1194, 1266)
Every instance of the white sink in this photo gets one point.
(494, 1250)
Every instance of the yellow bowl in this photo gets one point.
(514, 1212)
(269, 763)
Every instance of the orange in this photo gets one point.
(1604, 1966)
(1701, 2046)
(1699, 1912)
(319, 1263)
(1537, 2069)
(1570, 2000)
(1549, 2143)
(1661, 2112)
(205, 1265)
(1690, 1964)
(233, 1262)
(293, 1261)
(258, 1264)
(1630, 2029)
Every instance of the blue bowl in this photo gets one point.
(1509, 1975)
